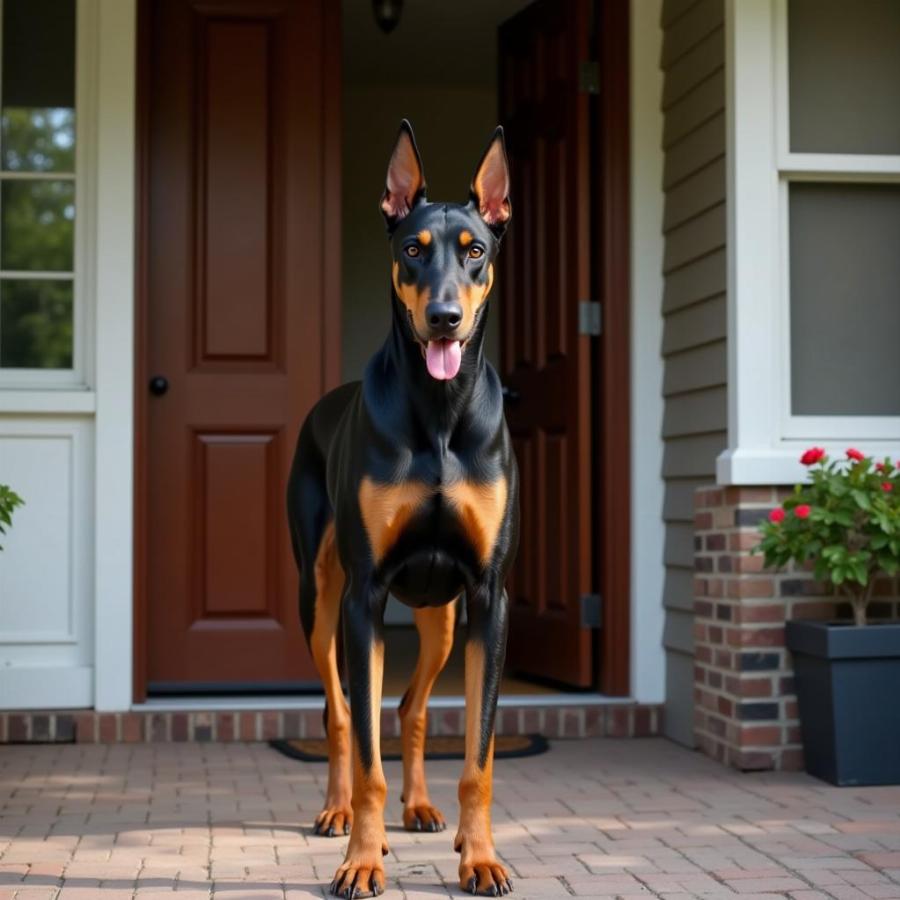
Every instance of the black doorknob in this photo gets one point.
(511, 395)
(158, 385)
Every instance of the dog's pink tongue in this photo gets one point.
(443, 358)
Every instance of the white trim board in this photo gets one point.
(114, 375)
(648, 663)
(457, 701)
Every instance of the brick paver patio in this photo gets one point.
(592, 818)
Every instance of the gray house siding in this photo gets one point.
(695, 417)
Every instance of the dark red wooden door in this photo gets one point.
(546, 363)
(237, 322)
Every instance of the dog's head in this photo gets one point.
(443, 253)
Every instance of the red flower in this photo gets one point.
(887, 486)
(777, 515)
(879, 467)
(812, 456)
(853, 453)
(802, 511)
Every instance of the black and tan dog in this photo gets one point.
(406, 483)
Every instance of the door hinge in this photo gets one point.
(589, 76)
(591, 610)
(590, 318)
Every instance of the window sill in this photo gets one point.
(48, 402)
(781, 465)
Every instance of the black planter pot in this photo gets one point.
(848, 685)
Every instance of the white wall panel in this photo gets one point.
(46, 622)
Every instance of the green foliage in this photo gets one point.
(9, 500)
(845, 521)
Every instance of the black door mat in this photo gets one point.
(506, 746)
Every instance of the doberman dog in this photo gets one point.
(406, 483)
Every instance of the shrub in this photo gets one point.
(9, 500)
(845, 519)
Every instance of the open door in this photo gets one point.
(545, 360)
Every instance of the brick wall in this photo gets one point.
(88, 726)
(745, 708)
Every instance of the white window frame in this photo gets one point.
(765, 439)
(18, 387)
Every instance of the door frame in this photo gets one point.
(331, 287)
(611, 188)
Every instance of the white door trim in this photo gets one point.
(114, 379)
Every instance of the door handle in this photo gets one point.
(159, 384)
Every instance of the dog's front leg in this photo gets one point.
(479, 870)
(362, 872)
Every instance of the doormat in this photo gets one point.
(506, 746)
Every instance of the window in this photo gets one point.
(38, 260)
(838, 140)
(814, 227)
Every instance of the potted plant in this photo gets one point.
(9, 500)
(845, 523)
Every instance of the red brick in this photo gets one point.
(642, 722)
(132, 727)
(725, 706)
(767, 612)
(247, 723)
(748, 496)
(109, 729)
(715, 587)
(812, 609)
(742, 540)
(18, 728)
(313, 723)
(291, 727)
(751, 587)
(755, 760)
(594, 721)
(271, 725)
(703, 521)
(179, 727)
(761, 735)
(551, 722)
(225, 727)
(617, 721)
(708, 497)
(748, 564)
(756, 637)
(159, 726)
(754, 687)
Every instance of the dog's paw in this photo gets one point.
(480, 872)
(423, 817)
(334, 821)
(358, 876)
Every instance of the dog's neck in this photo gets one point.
(438, 406)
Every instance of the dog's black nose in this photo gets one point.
(443, 317)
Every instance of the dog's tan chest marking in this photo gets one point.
(481, 508)
(387, 509)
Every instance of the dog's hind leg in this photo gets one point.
(435, 627)
(336, 817)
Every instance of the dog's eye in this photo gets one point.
(412, 251)
(475, 252)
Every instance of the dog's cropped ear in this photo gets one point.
(405, 184)
(490, 186)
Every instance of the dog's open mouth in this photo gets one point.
(443, 358)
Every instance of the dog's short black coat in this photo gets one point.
(406, 483)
